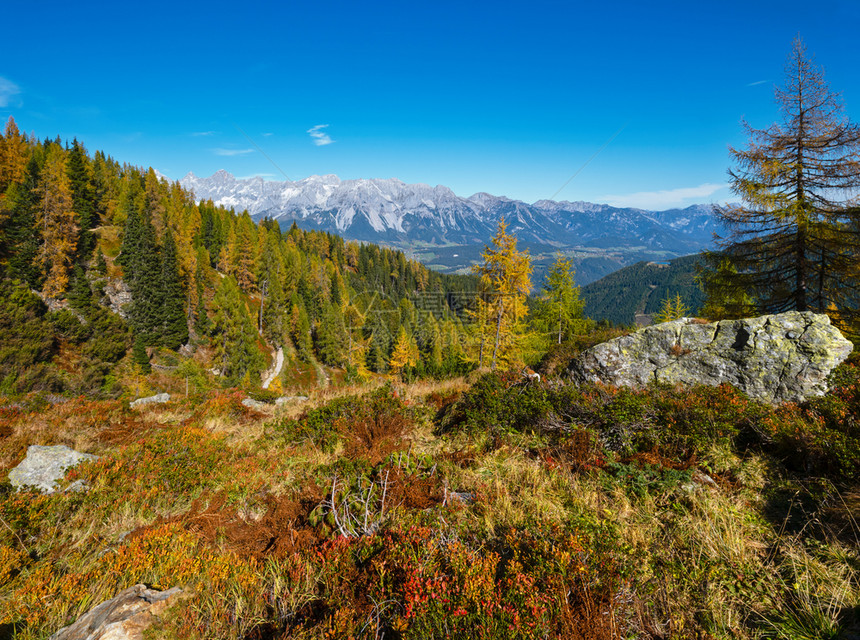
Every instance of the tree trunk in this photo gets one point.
(559, 324)
(498, 331)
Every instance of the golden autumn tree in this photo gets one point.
(57, 221)
(794, 240)
(13, 156)
(506, 280)
(242, 253)
(405, 353)
(672, 308)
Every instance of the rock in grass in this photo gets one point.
(777, 358)
(158, 398)
(124, 617)
(290, 399)
(42, 467)
(256, 405)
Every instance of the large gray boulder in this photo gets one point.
(43, 466)
(124, 617)
(777, 358)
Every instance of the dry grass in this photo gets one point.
(700, 561)
(514, 490)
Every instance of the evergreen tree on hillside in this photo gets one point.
(143, 274)
(243, 254)
(300, 329)
(234, 335)
(559, 306)
(273, 300)
(26, 337)
(20, 236)
(139, 355)
(83, 198)
(174, 324)
(155, 202)
(80, 294)
(331, 338)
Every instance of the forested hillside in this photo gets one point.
(101, 260)
(641, 289)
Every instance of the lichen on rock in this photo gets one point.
(43, 467)
(775, 358)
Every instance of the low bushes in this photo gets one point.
(538, 509)
(821, 436)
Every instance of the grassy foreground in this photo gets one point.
(504, 508)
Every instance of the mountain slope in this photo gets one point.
(641, 288)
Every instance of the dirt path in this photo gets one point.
(323, 379)
(276, 368)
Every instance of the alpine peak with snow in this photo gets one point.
(390, 210)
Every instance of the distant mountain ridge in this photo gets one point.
(390, 210)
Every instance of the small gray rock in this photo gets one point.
(256, 405)
(288, 399)
(42, 467)
(159, 398)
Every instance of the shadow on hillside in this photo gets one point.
(815, 512)
(849, 623)
(815, 509)
(10, 630)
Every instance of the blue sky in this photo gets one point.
(511, 98)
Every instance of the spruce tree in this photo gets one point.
(174, 325)
(21, 236)
(559, 306)
(142, 272)
(331, 337)
(138, 354)
(300, 329)
(83, 198)
(234, 335)
(80, 294)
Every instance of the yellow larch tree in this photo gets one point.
(242, 254)
(405, 353)
(57, 223)
(506, 278)
(13, 156)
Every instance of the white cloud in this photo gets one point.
(266, 135)
(232, 152)
(198, 134)
(319, 136)
(756, 83)
(659, 200)
(9, 92)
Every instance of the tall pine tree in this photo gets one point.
(174, 324)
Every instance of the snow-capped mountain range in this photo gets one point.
(392, 211)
